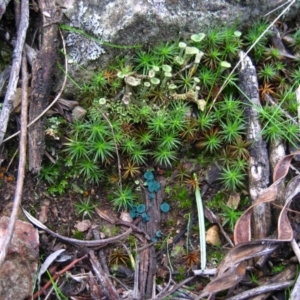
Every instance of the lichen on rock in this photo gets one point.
(82, 47)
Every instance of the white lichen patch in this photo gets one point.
(83, 47)
(159, 5)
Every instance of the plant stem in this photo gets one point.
(201, 225)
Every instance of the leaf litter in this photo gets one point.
(232, 269)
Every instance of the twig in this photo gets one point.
(51, 290)
(55, 99)
(278, 7)
(206, 272)
(295, 248)
(12, 159)
(58, 274)
(22, 159)
(80, 243)
(164, 290)
(15, 70)
(116, 221)
(176, 287)
(261, 290)
(107, 287)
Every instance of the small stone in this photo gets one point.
(213, 236)
(83, 225)
(78, 113)
(125, 216)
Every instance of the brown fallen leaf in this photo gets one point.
(231, 278)
(242, 230)
(233, 266)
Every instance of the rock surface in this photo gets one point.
(128, 23)
(19, 269)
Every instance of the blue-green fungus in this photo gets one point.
(133, 212)
(158, 234)
(141, 208)
(165, 207)
(151, 196)
(153, 186)
(148, 175)
(145, 217)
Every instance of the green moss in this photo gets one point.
(151, 116)
(215, 256)
(79, 235)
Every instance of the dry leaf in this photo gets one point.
(231, 278)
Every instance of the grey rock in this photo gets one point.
(128, 23)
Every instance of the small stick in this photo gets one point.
(58, 274)
(22, 159)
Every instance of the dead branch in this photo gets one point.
(108, 289)
(42, 73)
(15, 70)
(22, 161)
(57, 96)
(259, 170)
